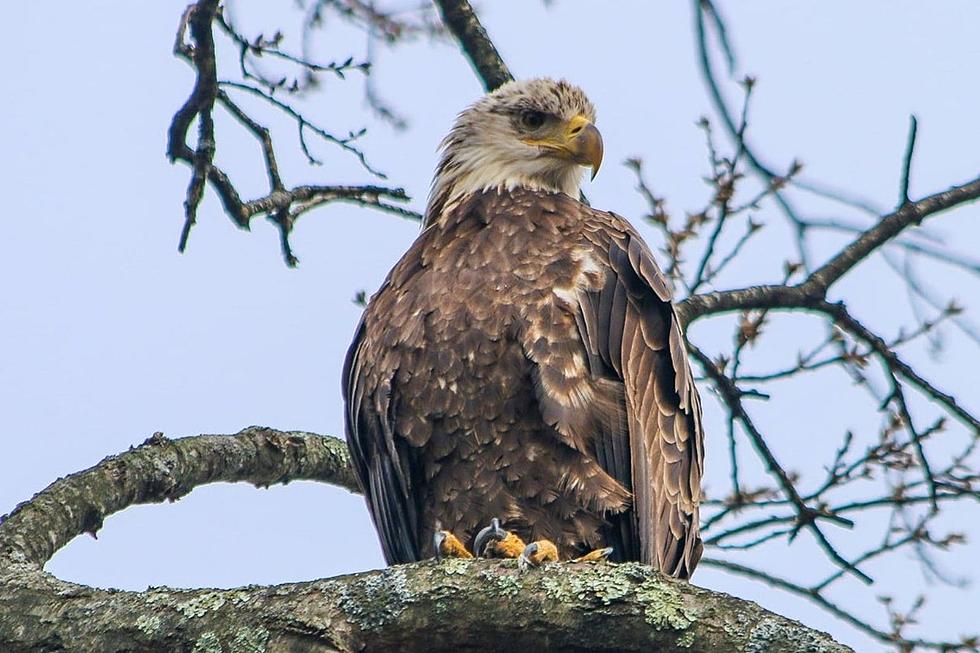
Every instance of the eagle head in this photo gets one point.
(535, 133)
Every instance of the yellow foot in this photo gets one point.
(537, 553)
(448, 545)
(595, 555)
(495, 542)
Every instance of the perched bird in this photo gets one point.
(523, 362)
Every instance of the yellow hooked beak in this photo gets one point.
(577, 140)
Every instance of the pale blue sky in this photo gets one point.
(109, 335)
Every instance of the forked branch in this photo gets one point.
(282, 205)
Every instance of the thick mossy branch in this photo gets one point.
(455, 605)
(451, 606)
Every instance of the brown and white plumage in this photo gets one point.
(523, 359)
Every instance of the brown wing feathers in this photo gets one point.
(379, 462)
(636, 334)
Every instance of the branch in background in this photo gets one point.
(706, 9)
(380, 26)
(726, 173)
(706, 14)
(806, 517)
(889, 638)
(814, 289)
(416, 20)
(304, 125)
(448, 606)
(197, 19)
(896, 365)
(769, 179)
(462, 21)
(260, 46)
(903, 196)
(282, 205)
(912, 479)
(909, 214)
(166, 470)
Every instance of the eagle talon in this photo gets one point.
(487, 537)
(595, 555)
(536, 554)
(524, 560)
(495, 542)
(448, 545)
(438, 538)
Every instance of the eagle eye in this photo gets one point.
(532, 119)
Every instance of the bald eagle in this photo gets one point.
(523, 362)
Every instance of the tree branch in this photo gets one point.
(462, 21)
(165, 470)
(910, 213)
(815, 287)
(806, 517)
(281, 205)
(895, 365)
(197, 18)
(813, 594)
(449, 606)
(903, 196)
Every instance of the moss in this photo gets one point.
(598, 585)
(207, 643)
(246, 640)
(736, 624)
(777, 635)
(686, 640)
(148, 624)
(250, 640)
(154, 597)
(238, 597)
(201, 604)
(554, 588)
(663, 605)
(452, 566)
(593, 584)
(376, 599)
(508, 586)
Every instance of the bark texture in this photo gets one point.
(455, 605)
(463, 22)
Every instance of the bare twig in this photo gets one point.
(304, 124)
(896, 365)
(197, 20)
(806, 516)
(903, 197)
(835, 609)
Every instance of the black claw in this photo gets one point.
(437, 539)
(524, 560)
(491, 532)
